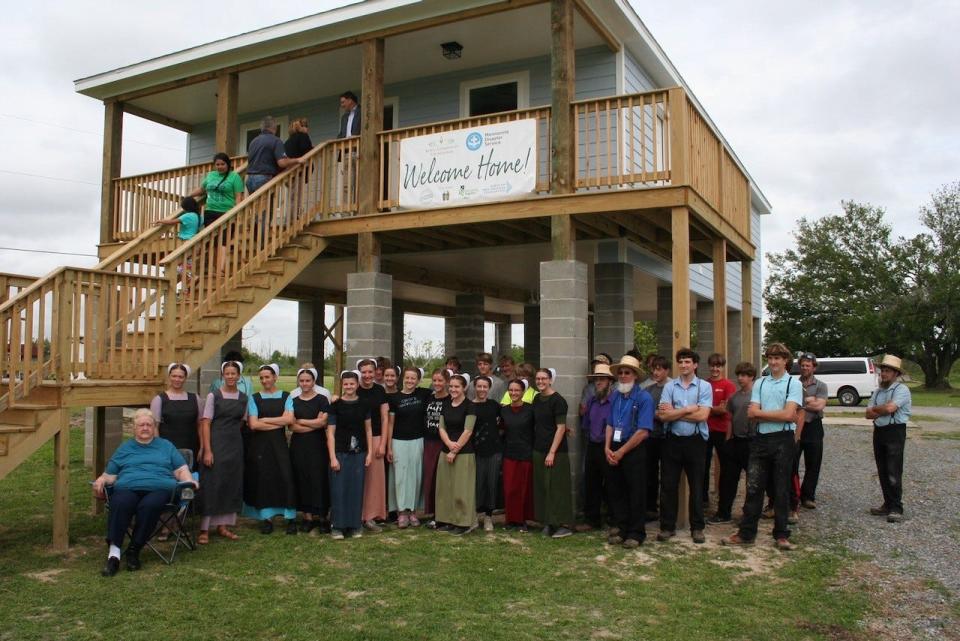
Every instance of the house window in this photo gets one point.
(494, 94)
(251, 130)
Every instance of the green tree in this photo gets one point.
(644, 337)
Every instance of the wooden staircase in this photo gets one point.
(103, 336)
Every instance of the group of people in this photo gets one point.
(391, 450)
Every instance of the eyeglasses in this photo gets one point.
(808, 356)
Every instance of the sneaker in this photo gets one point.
(336, 535)
(793, 518)
(614, 539)
(403, 521)
(488, 524)
(547, 530)
(665, 535)
(808, 504)
(414, 521)
(133, 560)
(698, 537)
(784, 544)
(291, 527)
(372, 526)
(734, 539)
(266, 527)
(883, 510)
(432, 524)
(894, 517)
(561, 533)
(111, 567)
(768, 512)
(717, 519)
(356, 534)
(631, 544)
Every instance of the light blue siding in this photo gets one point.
(635, 79)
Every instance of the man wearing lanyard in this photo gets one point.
(684, 407)
(774, 402)
(810, 445)
(631, 419)
(889, 410)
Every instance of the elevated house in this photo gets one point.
(615, 198)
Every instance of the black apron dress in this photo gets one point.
(310, 459)
(178, 422)
(222, 485)
(268, 475)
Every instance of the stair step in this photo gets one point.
(21, 417)
(263, 281)
(286, 254)
(6, 428)
(35, 407)
(241, 294)
(295, 246)
(270, 268)
(189, 341)
(221, 310)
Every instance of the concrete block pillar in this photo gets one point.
(110, 421)
(503, 333)
(613, 308)
(665, 322)
(734, 350)
(310, 321)
(531, 334)
(397, 353)
(449, 336)
(469, 328)
(369, 317)
(705, 342)
(563, 340)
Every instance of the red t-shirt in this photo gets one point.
(722, 390)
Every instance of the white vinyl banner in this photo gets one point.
(492, 162)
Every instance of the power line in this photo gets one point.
(65, 180)
(87, 131)
(46, 251)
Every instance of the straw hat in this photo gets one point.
(628, 361)
(601, 370)
(891, 361)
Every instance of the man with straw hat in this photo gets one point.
(889, 410)
(594, 425)
(631, 419)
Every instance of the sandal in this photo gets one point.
(227, 534)
(203, 538)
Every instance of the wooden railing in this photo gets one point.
(140, 201)
(12, 284)
(390, 147)
(83, 323)
(228, 252)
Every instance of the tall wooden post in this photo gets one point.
(368, 252)
(371, 106)
(746, 313)
(679, 136)
(227, 97)
(680, 225)
(112, 147)
(720, 297)
(337, 347)
(99, 451)
(61, 484)
(562, 148)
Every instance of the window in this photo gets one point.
(251, 130)
(497, 93)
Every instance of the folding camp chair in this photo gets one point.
(174, 518)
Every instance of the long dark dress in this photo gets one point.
(178, 422)
(268, 475)
(310, 459)
(350, 445)
(222, 485)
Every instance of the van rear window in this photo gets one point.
(842, 367)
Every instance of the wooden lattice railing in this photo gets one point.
(12, 284)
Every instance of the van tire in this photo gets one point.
(848, 397)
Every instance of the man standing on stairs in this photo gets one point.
(266, 156)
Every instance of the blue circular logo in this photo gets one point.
(474, 140)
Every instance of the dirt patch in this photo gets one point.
(47, 576)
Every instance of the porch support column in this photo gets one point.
(469, 323)
(103, 433)
(562, 148)
(735, 353)
(504, 340)
(228, 90)
(706, 343)
(720, 300)
(680, 225)
(371, 105)
(665, 322)
(61, 484)
(449, 336)
(112, 147)
(310, 326)
(531, 334)
(369, 315)
(746, 310)
(397, 329)
(564, 342)
(613, 308)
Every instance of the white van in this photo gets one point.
(848, 379)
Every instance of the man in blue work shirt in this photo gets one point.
(629, 425)
(774, 403)
(684, 407)
(889, 410)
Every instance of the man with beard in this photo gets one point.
(889, 410)
(631, 419)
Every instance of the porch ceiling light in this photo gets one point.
(452, 50)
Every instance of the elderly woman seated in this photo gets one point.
(144, 473)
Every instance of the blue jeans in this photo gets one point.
(256, 181)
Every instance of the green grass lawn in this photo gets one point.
(406, 585)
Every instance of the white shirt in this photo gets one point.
(349, 130)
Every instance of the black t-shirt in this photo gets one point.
(518, 431)
(432, 418)
(454, 421)
(349, 417)
(375, 397)
(548, 412)
(409, 414)
(309, 410)
(298, 144)
(656, 391)
(486, 435)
